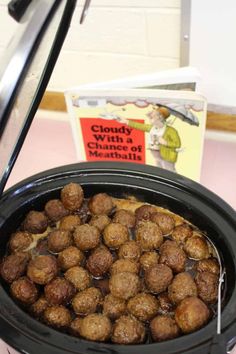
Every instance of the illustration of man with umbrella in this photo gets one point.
(163, 141)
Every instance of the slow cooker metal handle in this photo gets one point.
(218, 345)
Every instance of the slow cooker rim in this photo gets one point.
(145, 171)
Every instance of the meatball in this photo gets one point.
(20, 241)
(24, 290)
(163, 328)
(86, 237)
(124, 285)
(166, 305)
(207, 286)
(158, 278)
(124, 217)
(144, 212)
(87, 301)
(181, 233)
(72, 196)
(99, 262)
(42, 269)
(181, 287)
(69, 222)
(59, 291)
(14, 266)
(130, 250)
(128, 330)
(35, 222)
(173, 256)
(143, 306)
(114, 307)
(79, 277)
(165, 221)
(149, 259)
(101, 203)
(58, 240)
(191, 314)
(124, 265)
(75, 326)
(70, 257)
(37, 308)
(149, 235)
(115, 235)
(196, 247)
(208, 265)
(55, 210)
(100, 221)
(57, 316)
(96, 327)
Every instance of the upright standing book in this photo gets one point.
(157, 127)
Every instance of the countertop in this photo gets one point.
(50, 144)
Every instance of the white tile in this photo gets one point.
(74, 69)
(119, 38)
(109, 30)
(163, 33)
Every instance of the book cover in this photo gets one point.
(158, 127)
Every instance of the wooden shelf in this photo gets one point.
(55, 101)
(221, 121)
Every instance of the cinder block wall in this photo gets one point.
(118, 38)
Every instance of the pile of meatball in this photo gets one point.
(90, 269)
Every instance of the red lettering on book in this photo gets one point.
(111, 140)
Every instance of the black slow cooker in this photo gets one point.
(38, 47)
(150, 184)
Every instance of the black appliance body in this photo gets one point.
(153, 185)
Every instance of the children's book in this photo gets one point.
(163, 128)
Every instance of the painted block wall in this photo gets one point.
(118, 38)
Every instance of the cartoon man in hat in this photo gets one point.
(163, 139)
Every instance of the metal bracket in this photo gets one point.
(185, 32)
